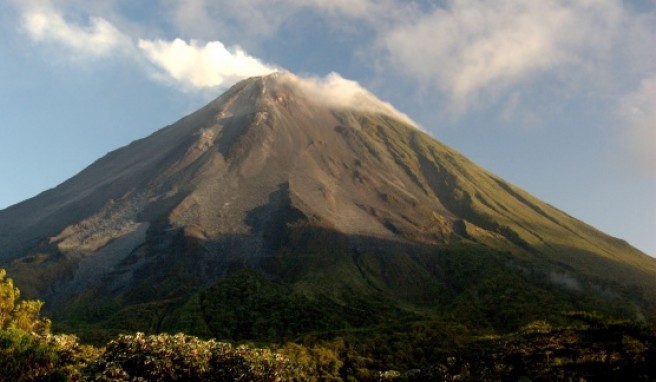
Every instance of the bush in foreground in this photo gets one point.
(180, 357)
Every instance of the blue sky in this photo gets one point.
(557, 97)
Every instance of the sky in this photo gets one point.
(557, 96)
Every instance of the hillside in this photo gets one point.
(350, 215)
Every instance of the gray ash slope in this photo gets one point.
(222, 188)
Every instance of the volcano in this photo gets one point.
(341, 202)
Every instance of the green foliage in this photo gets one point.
(608, 351)
(73, 358)
(316, 361)
(180, 357)
(248, 306)
(23, 315)
(24, 357)
(590, 347)
(27, 349)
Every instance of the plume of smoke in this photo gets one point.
(338, 92)
(195, 65)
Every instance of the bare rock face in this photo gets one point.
(227, 186)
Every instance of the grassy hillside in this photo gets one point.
(499, 214)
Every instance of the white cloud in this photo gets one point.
(638, 110)
(254, 21)
(472, 46)
(336, 91)
(467, 49)
(45, 24)
(198, 66)
(190, 65)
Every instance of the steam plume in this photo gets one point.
(197, 66)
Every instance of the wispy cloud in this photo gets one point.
(363, 9)
(467, 50)
(471, 51)
(245, 21)
(258, 20)
(472, 46)
(97, 37)
(197, 65)
(188, 65)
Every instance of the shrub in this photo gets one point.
(23, 315)
(24, 356)
(179, 357)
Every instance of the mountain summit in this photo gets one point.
(324, 189)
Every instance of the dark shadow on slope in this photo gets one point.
(352, 281)
(269, 222)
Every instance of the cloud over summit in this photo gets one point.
(197, 65)
(339, 92)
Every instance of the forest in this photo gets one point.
(587, 347)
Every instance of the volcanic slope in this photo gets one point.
(337, 201)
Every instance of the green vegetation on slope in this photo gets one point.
(246, 306)
(588, 348)
(337, 289)
(506, 217)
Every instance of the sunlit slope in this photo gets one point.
(502, 215)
